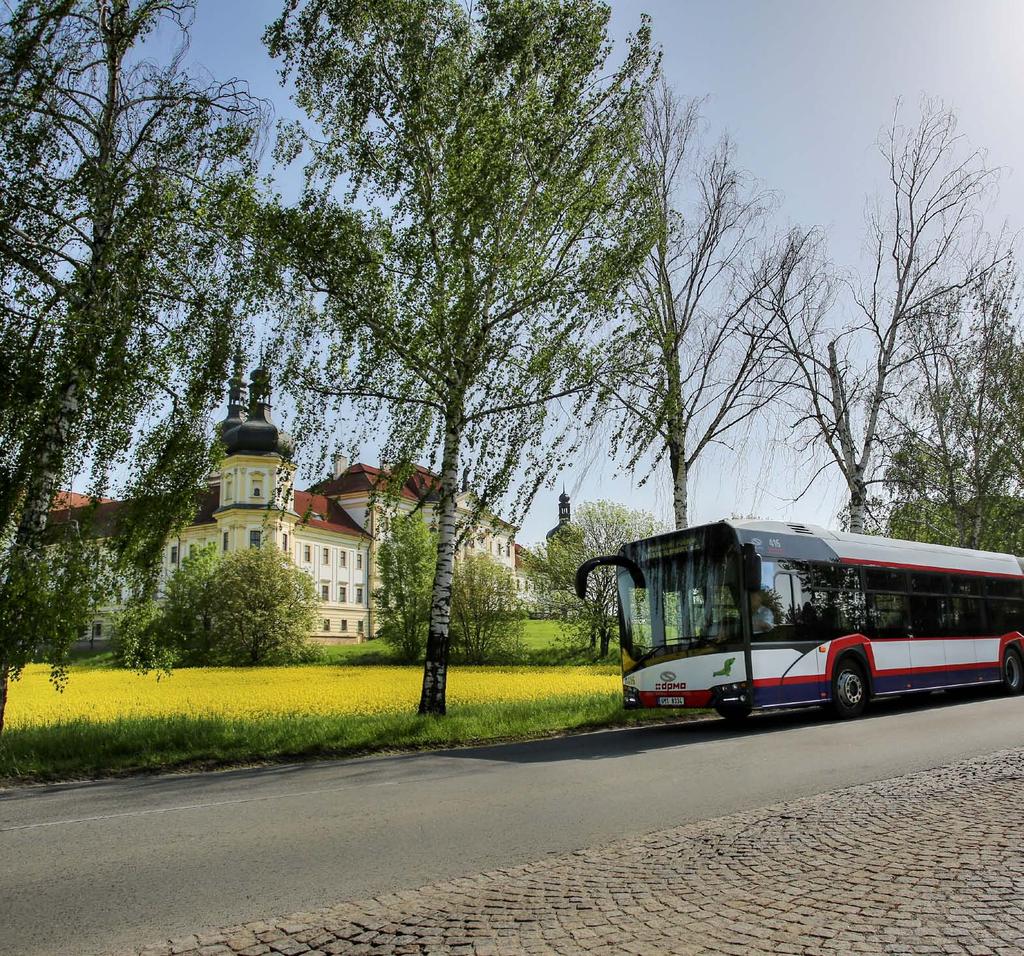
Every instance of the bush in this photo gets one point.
(250, 607)
(265, 609)
(190, 631)
(487, 615)
(140, 639)
(405, 563)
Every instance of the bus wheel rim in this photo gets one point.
(850, 688)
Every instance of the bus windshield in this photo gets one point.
(692, 594)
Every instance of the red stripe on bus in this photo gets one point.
(927, 567)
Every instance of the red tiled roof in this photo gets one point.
(316, 510)
(72, 499)
(319, 511)
(419, 486)
(209, 501)
(100, 520)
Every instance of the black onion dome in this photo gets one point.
(236, 406)
(257, 434)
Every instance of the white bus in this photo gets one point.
(755, 615)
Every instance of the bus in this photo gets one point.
(756, 615)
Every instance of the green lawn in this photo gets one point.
(541, 635)
(541, 645)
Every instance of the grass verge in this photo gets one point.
(84, 749)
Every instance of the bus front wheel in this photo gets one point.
(733, 713)
(849, 689)
(1013, 672)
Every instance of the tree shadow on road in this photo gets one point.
(621, 742)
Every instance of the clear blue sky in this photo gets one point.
(803, 87)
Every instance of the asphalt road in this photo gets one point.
(102, 867)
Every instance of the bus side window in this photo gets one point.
(887, 615)
(777, 597)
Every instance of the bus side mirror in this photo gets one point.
(614, 560)
(751, 568)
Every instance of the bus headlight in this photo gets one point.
(737, 692)
(630, 697)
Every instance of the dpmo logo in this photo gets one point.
(667, 681)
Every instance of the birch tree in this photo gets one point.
(125, 189)
(954, 475)
(496, 145)
(597, 528)
(700, 356)
(925, 245)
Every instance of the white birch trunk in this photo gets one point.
(680, 474)
(39, 498)
(858, 504)
(435, 666)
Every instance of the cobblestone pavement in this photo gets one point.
(928, 863)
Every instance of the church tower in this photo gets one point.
(564, 515)
(257, 497)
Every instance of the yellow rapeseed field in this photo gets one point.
(101, 695)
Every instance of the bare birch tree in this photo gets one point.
(700, 355)
(925, 244)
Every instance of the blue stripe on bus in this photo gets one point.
(804, 692)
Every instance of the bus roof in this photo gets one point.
(876, 550)
(787, 539)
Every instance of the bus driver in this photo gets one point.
(762, 619)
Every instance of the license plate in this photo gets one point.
(671, 701)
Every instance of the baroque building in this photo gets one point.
(330, 531)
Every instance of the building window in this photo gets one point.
(224, 538)
(327, 623)
(307, 553)
(342, 593)
(191, 550)
(359, 560)
(325, 592)
(97, 630)
(254, 538)
(174, 554)
(359, 595)
(359, 627)
(327, 555)
(257, 491)
(342, 558)
(344, 624)
(284, 541)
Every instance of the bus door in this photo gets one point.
(930, 653)
(784, 664)
(888, 626)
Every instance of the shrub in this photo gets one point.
(405, 564)
(487, 614)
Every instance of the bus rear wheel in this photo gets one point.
(733, 713)
(849, 689)
(1013, 671)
